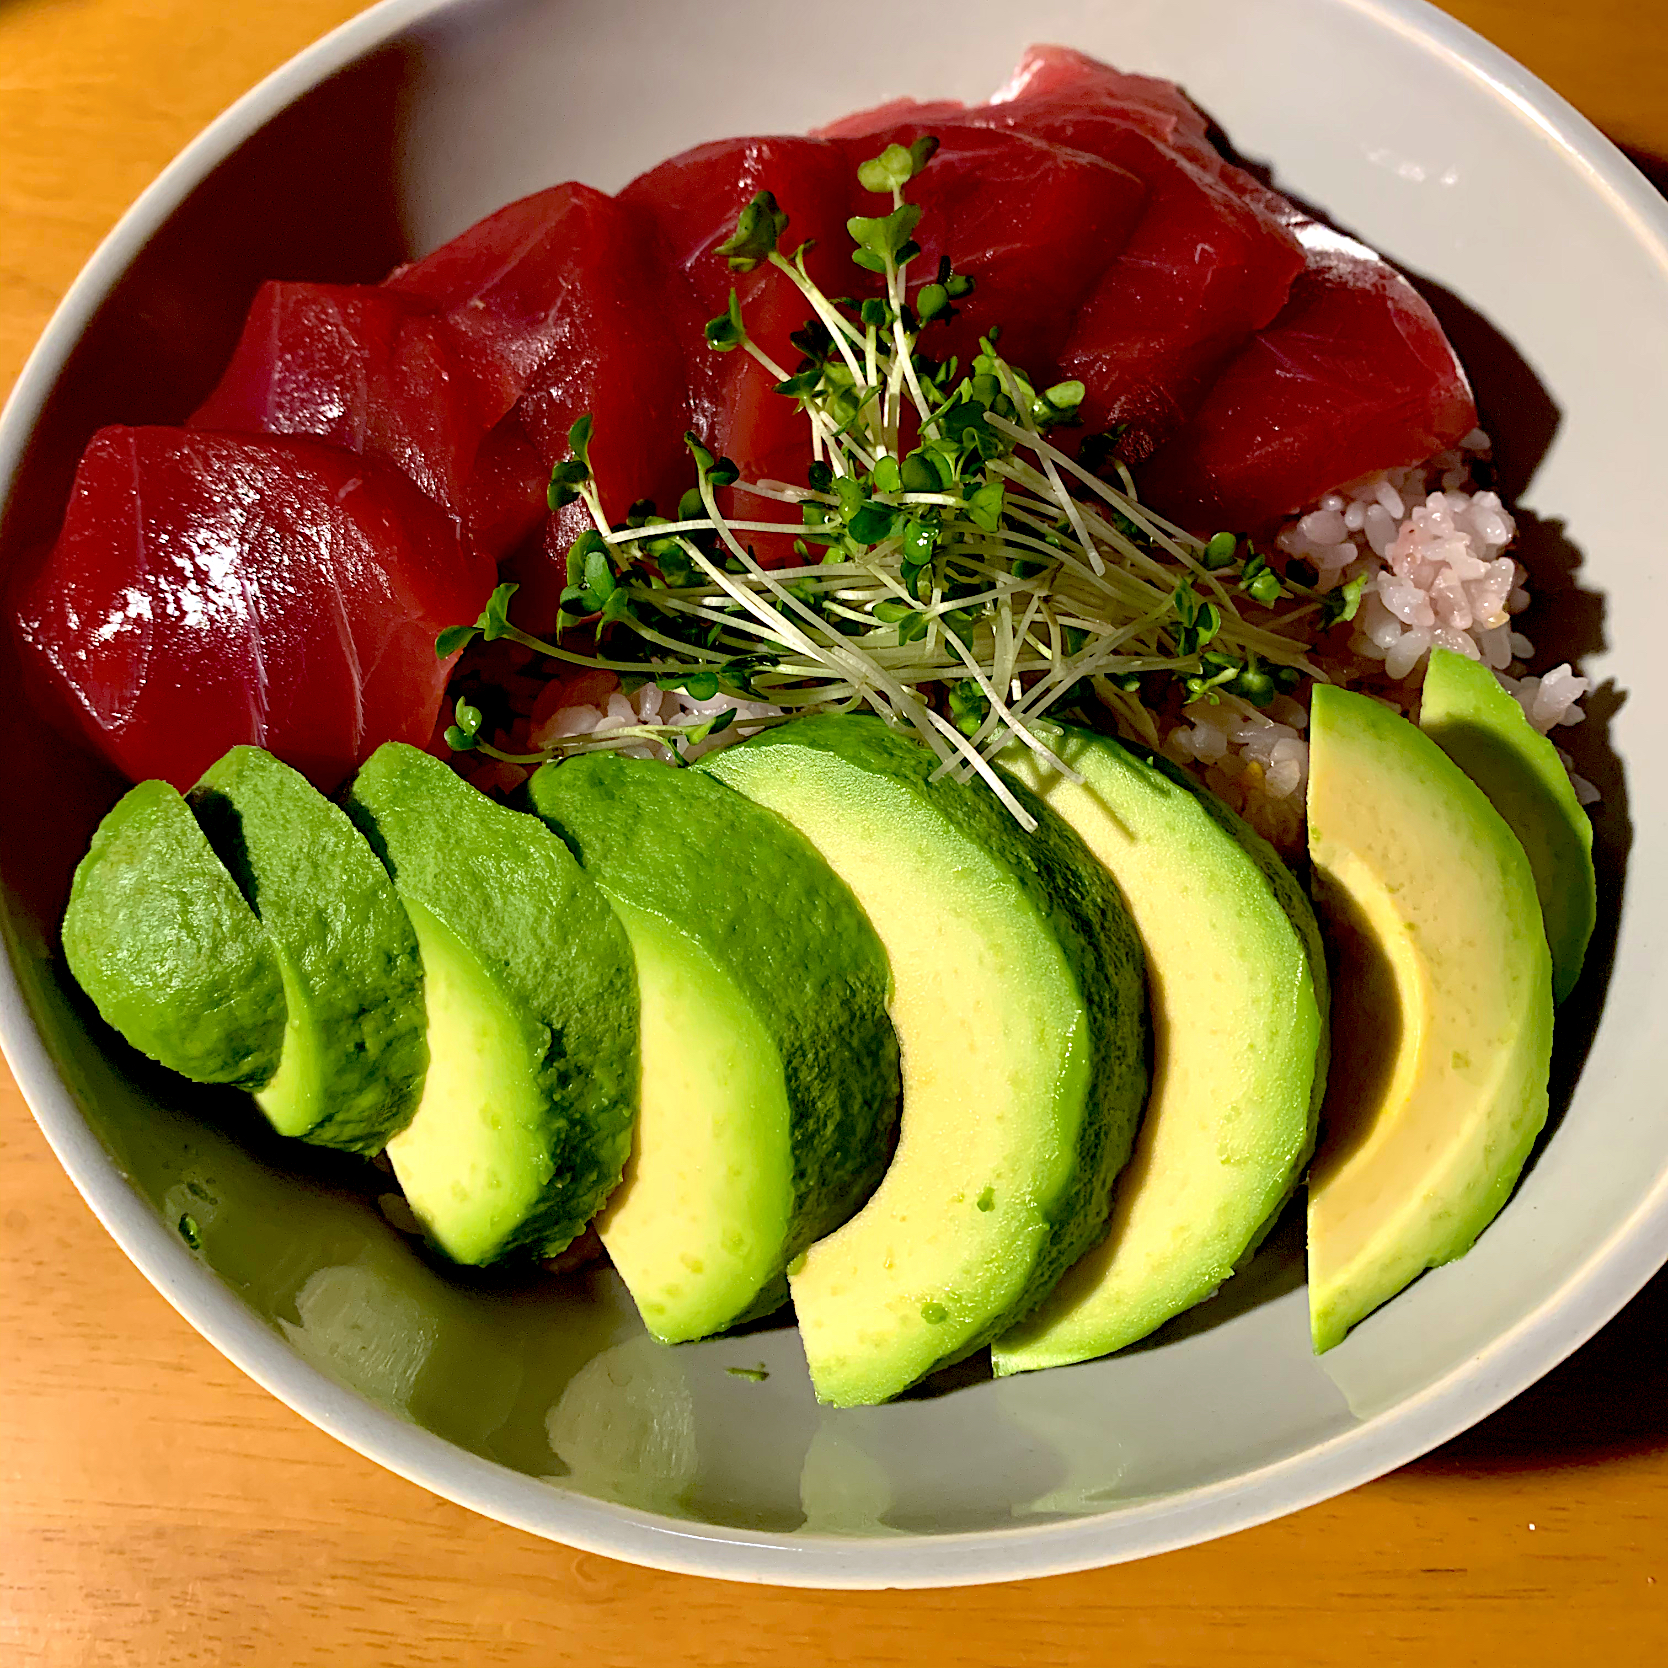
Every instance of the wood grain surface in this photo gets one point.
(157, 1508)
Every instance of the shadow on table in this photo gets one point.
(1609, 1401)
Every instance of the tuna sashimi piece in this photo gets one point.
(1054, 85)
(1205, 265)
(562, 303)
(379, 373)
(1066, 84)
(1355, 375)
(1203, 270)
(211, 589)
(922, 113)
(1034, 224)
(505, 501)
(694, 199)
(1057, 84)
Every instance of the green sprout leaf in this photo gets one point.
(727, 332)
(495, 617)
(1197, 622)
(719, 722)
(931, 300)
(588, 544)
(916, 474)
(984, 507)
(461, 736)
(565, 481)
(1344, 602)
(872, 523)
(452, 640)
(885, 240)
(721, 472)
(759, 228)
(1066, 397)
(579, 438)
(969, 707)
(1220, 551)
(698, 686)
(897, 165)
(1260, 582)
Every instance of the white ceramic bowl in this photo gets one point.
(555, 1412)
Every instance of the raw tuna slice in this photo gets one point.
(694, 199)
(505, 501)
(563, 306)
(1355, 375)
(1033, 223)
(1203, 270)
(923, 113)
(1054, 84)
(378, 373)
(210, 589)
(1205, 265)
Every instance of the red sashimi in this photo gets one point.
(1033, 223)
(1055, 84)
(1355, 375)
(379, 373)
(211, 589)
(1203, 269)
(695, 199)
(562, 303)
(1204, 266)
(922, 113)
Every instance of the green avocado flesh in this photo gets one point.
(1019, 1004)
(354, 1052)
(1236, 983)
(1442, 1018)
(525, 1118)
(1464, 709)
(160, 938)
(770, 1069)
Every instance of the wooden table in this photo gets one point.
(156, 1508)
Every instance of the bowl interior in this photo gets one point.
(1555, 289)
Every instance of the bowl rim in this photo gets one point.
(1587, 1297)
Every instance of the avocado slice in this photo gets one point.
(1464, 709)
(160, 938)
(1236, 981)
(525, 1118)
(1442, 1018)
(1019, 1003)
(770, 1070)
(354, 1054)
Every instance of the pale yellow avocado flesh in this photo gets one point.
(991, 1032)
(1442, 1018)
(697, 1225)
(472, 1160)
(1238, 1038)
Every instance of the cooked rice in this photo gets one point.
(1431, 549)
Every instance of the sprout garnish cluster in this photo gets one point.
(958, 573)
